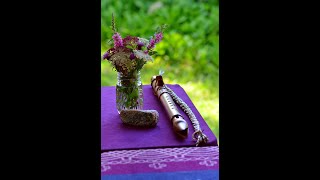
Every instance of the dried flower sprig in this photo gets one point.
(161, 28)
(113, 24)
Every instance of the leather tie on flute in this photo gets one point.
(180, 126)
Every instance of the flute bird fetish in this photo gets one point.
(180, 126)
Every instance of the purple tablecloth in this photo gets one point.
(161, 163)
(116, 136)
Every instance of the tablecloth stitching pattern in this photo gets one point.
(157, 158)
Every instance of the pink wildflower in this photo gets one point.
(117, 40)
(159, 37)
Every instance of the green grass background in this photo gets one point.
(189, 52)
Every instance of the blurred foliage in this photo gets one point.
(189, 52)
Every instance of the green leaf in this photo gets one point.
(153, 53)
(110, 41)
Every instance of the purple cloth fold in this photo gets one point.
(116, 136)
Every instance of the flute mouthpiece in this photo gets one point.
(180, 126)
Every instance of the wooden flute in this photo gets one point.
(180, 126)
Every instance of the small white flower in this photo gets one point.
(141, 55)
(144, 41)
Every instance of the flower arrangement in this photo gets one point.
(127, 56)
